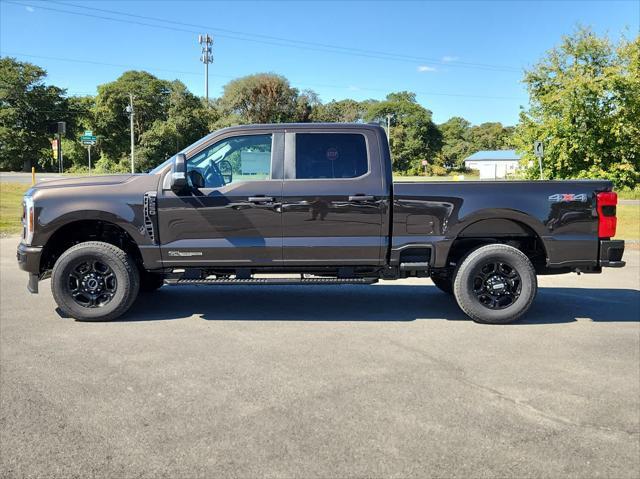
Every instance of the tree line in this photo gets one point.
(584, 105)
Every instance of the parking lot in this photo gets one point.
(323, 381)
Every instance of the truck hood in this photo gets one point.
(103, 180)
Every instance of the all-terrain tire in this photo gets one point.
(115, 281)
(475, 287)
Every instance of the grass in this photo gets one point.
(11, 210)
(11, 207)
(629, 193)
(628, 222)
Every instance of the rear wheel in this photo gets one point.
(495, 284)
(94, 281)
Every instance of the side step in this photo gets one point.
(269, 281)
(418, 266)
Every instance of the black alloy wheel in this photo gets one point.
(92, 283)
(497, 285)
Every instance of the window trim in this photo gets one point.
(290, 153)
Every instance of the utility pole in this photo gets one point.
(131, 113)
(389, 116)
(207, 57)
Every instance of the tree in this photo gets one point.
(151, 103)
(343, 111)
(414, 137)
(585, 105)
(186, 122)
(27, 108)
(490, 136)
(260, 98)
(456, 144)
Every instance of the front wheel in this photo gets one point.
(94, 281)
(495, 284)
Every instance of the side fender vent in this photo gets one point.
(149, 206)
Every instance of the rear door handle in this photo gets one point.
(260, 199)
(362, 198)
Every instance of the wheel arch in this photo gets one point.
(507, 227)
(77, 231)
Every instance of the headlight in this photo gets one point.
(28, 219)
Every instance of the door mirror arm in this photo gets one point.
(179, 173)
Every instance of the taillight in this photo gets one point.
(606, 204)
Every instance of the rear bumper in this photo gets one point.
(611, 252)
(29, 261)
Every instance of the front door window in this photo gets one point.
(241, 158)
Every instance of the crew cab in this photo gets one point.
(308, 204)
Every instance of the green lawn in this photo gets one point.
(11, 207)
(628, 222)
(11, 210)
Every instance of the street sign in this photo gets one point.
(88, 139)
(538, 149)
(54, 147)
(88, 133)
(425, 162)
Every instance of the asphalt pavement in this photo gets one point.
(389, 380)
(25, 178)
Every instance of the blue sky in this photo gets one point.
(462, 58)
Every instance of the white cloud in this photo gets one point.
(448, 58)
(425, 68)
(354, 88)
(30, 9)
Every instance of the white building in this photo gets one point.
(493, 164)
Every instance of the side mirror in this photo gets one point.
(179, 173)
(226, 170)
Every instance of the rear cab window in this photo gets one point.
(330, 155)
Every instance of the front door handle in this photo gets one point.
(362, 198)
(260, 199)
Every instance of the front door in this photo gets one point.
(230, 214)
(333, 199)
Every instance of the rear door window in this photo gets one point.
(330, 155)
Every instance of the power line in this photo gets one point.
(300, 84)
(119, 65)
(266, 39)
(300, 42)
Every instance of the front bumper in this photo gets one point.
(611, 252)
(29, 261)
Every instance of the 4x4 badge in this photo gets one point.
(184, 253)
(568, 197)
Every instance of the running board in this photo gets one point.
(269, 281)
(414, 266)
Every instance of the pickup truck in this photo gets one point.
(308, 204)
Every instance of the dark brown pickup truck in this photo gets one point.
(308, 204)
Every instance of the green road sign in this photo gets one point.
(88, 133)
(88, 139)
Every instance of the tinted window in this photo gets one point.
(330, 155)
(240, 158)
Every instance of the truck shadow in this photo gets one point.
(375, 303)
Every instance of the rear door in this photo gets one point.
(231, 216)
(333, 198)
